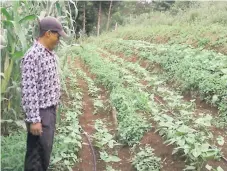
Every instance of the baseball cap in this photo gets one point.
(52, 24)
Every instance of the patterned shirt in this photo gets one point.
(40, 82)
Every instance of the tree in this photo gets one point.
(102, 8)
(162, 5)
(84, 17)
(99, 17)
(108, 20)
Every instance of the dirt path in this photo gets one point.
(170, 162)
(87, 121)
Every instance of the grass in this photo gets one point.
(194, 26)
(13, 151)
(203, 26)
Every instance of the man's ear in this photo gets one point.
(47, 34)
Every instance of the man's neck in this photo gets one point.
(42, 41)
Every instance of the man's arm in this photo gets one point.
(30, 100)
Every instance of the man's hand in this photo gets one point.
(36, 128)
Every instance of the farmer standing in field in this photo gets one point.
(41, 94)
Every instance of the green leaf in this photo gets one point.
(109, 158)
(69, 168)
(214, 99)
(7, 75)
(190, 168)
(196, 152)
(210, 154)
(204, 121)
(204, 147)
(8, 23)
(17, 55)
(8, 121)
(224, 70)
(174, 151)
(220, 140)
(2, 75)
(219, 169)
(29, 17)
(21, 123)
(113, 158)
(111, 143)
(58, 8)
(108, 136)
(57, 159)
(208, 167)
(66, 162)
(5, 13)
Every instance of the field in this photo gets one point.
(128, 91)
(138, 99)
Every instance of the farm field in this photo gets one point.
(133, 99)
(148, 107)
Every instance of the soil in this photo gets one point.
(201, 107)
(154, 140)
(87, 121)
(171, 162)
(158, 39)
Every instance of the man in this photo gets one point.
(40, 94)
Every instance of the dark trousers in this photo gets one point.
(39, 148)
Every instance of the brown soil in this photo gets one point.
(161, 39)
(154, 140)
(223, 162)
(201, 106)
(87, 121)
(170, 162)
(158, 39)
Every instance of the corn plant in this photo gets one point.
(19, 29)
(16, 45)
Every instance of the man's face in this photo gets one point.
(53, 39)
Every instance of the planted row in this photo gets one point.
(132, 99)
(131, 126)
(193, 70)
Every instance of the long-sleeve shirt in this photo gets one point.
(40, 81)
